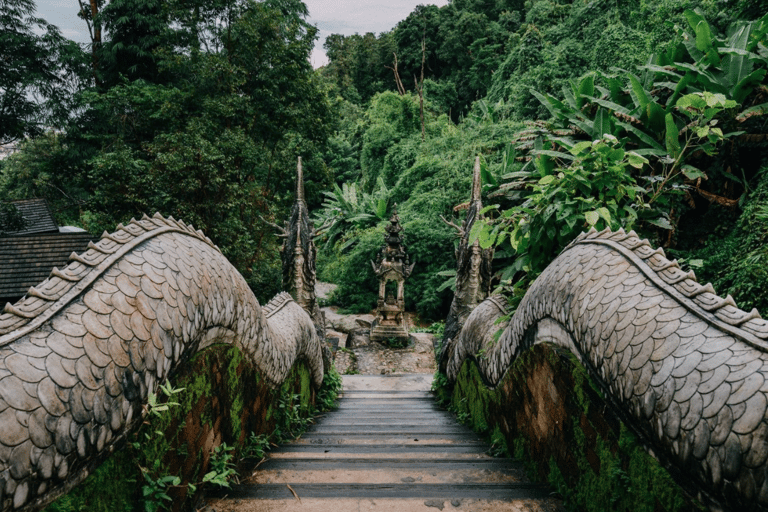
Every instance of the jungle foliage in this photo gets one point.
(637, 140)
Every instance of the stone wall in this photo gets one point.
(224, 401)
(548, 413)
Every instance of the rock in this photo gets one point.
(358, 338)
(324, 290)
(438, 504)
(346, 323)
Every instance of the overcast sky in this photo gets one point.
(330, 16)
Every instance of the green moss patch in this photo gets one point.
(547, 413)
(225, 401)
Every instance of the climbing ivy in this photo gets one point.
(224, 396)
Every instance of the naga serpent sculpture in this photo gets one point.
(80, 353)
(687, 369)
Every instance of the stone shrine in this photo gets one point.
(392, 269)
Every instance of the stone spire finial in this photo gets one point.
(299, 182)
(476, 182)
(474, 271)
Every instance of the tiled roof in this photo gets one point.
(28, 260)
(38, 218)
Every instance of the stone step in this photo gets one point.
(444, 448)
(365, 452)
(383, 476)
(447, 463)
(385, 448)
(405, 439)
(487, 491)
(306, 504)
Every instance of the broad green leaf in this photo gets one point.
(592, 217)
(737, 60)
(487, 176)
(616, 154)
(474, 233)
(585, 126)
(651, 152)
(546, 180)
(487, 238)
(702, 131)
(553, 154)
(747, 84)
(684, 82)
(555, 106)
(635, 160)
(586, 88)
(638, 93)
(655, 116)
(643, 136)
(602, 123)
(661, 222)
(704, 77)
(661, 70)
(577, 149)
(703, 37)
(605, 214)
(693, 173)
(610, 105)
(569, 95)
(672, 136)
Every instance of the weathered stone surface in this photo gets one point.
(73, 378)
(474, 271)
(686, 366)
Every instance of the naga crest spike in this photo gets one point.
(476, 183)
(299, 182)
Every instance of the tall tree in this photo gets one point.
(135, 30)
(36, 72)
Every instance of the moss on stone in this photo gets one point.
(554, 419)
(224, 399)
(101, 491)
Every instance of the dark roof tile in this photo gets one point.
(38, 217)
(28, 260)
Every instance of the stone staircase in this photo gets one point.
(386, 448)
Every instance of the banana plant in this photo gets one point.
(348, 207)
(733, 66)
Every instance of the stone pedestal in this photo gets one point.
(394, 268)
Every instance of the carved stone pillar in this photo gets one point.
(392, 269)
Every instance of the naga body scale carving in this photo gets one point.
(80, 353)
(687, 369)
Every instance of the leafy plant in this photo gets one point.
(222, 468)
(155, 491)
(349, 206)
(701, 133)
(257, 446)
(328, 394)
(595, 190)
(156, 408)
